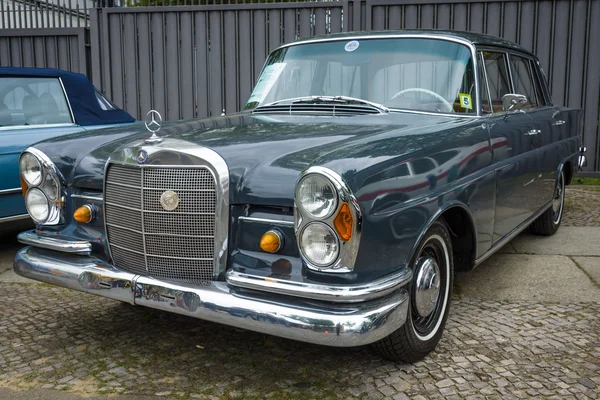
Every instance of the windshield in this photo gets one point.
(432, 75)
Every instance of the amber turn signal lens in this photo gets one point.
(271, 242)
(23, 186)
(83, 214)
(344, 222)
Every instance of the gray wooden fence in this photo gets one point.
(63, 48)
(192, 61)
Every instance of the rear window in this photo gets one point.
(32, 101)
(105, 104)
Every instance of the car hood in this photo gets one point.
(265, 155)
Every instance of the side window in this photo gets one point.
(104, 103)
(498, 83)
(524, 80)
(32, 101)
(484, 94)
(536, 82)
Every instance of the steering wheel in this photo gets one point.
(426, 91)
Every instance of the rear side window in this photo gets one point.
(104, 103)
(497, 79)
(32, 101)
(524, 81)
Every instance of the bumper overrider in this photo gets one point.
(356, 316)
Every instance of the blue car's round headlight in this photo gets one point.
(31, 169)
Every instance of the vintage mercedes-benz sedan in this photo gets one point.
(365, 169)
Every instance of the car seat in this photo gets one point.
(49, 109)
(32, 111)
(5, 116)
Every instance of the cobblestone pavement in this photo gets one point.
(59, 339)
(582, 206)
(56, 339)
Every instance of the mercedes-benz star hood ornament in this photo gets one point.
(153, 122)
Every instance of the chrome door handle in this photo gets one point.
(559, 122)
(533, 132)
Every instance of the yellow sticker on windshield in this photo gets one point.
(465, 101)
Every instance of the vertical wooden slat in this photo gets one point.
(158, 70)
(201, 64)
(477, 17)
(230, 50)
(527, 26)
(510, 21)
(40, 54)
(305, 30)
(378, 17)
(459, 17)
(289, 25)
(493, 19)
(591, 135)
(427, 16)
(259, 41)
(172, 66)
(131, 92)
(411, 17)
(320, 28)
(95, 48)
(144, 64)
(27, 51)
(395, 17)
(336, 20)
(274, 28)
(15, 52)
(577, 42)
(560, 53)
(443, 15)
(116, 59)
(246, 69)
(544, 39)
(215, 64)
(187, 66)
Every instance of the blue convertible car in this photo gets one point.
(38, 104)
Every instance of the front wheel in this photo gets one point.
(429, 299)
(549, 222)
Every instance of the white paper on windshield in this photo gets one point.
(266, 81)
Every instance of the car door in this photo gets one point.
(514, 141)
(31, 109)
(544, 118)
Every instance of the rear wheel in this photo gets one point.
(549, 222)
(430, 292)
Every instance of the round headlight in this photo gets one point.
(317, 196)
(319, 244)
(50, 187)
(31, 169)
(37, 205)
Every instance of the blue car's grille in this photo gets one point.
(147, 239)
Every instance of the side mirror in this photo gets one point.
(513, 102)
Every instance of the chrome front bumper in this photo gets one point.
(325, 323)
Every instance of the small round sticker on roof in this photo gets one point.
(351, 46)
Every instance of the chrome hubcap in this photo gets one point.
(427, 290)
(557, 203)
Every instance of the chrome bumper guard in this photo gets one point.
(581, 160)
(325, 323)
(31, 238)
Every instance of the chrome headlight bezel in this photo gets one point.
(347, 250)
(51, 179)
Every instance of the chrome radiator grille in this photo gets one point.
(146, 239)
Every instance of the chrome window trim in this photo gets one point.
(203, 158)
(267, 221)
(19, 127)
(10, 191)
(68, 101)
(348, 250)
(445, 37)
(332, 292)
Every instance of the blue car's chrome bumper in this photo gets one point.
(325, 323)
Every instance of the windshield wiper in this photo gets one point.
(327, 99)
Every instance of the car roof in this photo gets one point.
(470, 37)
(81, 93)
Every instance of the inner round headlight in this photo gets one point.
(37, 205)
(31, 169)
(319, 244)
(316, 195)
(50, 187)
